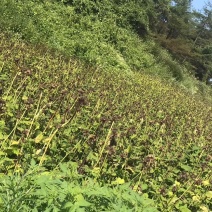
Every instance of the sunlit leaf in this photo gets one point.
(13, 143)
(209, 194)
(204, 208)
(206, 182)
(39, 138)
(118, 181)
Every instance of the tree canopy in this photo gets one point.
(186, 33)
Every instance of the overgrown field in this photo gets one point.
(79, 138)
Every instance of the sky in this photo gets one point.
(198, 4)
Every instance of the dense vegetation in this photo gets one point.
(124, 35)
(96, 115)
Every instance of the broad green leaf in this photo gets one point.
(32, 162)
(2, 153)
(79, 197)
(144, 187)
(39, 138)
(204, 208)
(13, 143)
(186, 167)
(196, 198)
(24, 98)
(184, 209)
(39, 152)
(209, 194)
(2, 136)
(95, 171)
(2, 124)
(68, 205)
(176, 183)
(174, 199)
(118, 181)
(206, 182)
(80, 201)
(63, 168)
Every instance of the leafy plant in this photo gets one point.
(127, 140)
(92, 114)
(40, 190)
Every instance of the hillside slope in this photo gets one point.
(96, 115)
(106, 34)
(79, 123)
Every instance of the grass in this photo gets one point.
(97, 139)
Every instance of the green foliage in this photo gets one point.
(118, 34)
(90, 131)
(98, 136)
(78, 31)
(41, 190)
(102, 38)
(185, 33)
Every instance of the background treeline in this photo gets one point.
(185, 33)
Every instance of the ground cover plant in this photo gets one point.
(75, 138)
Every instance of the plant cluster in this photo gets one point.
(88, 133)
(65, 190)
